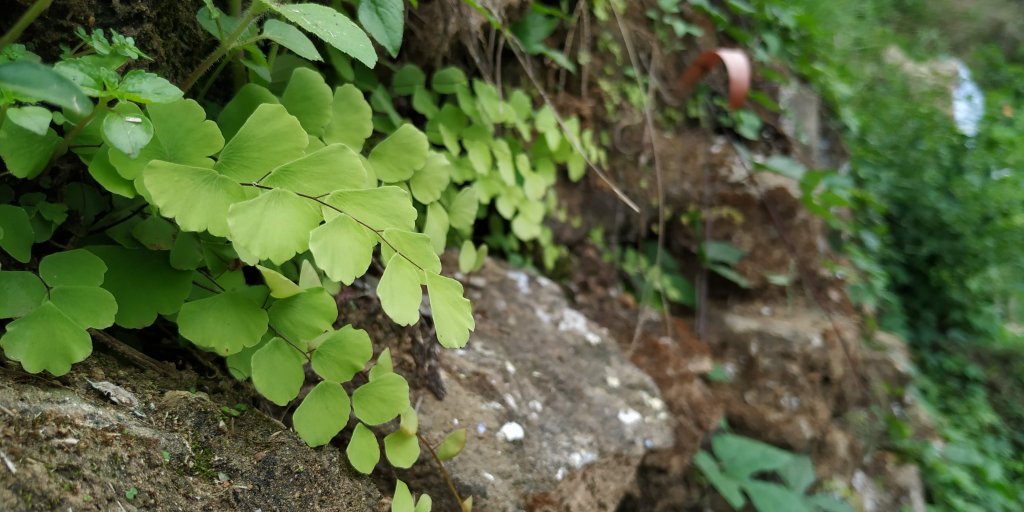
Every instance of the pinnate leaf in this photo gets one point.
(351, 120)
(238, 110)
(197, 198)
(342, 248)
(742, 456)
(277, 371)
(428, 183)
(305, 316)
(453, 313)
(365, 207)
(333, 27)
(182, 135)
(274, 226)
(381, 400)
(308, 98)
(270, 137)
(416, 247)
(342, 354)
(402, 500)
(724, 484)
(363, 451)
(400, 292)
(446, 81)
(772, 496)
(397, 157)
(322, 414)
(46, 339)
(280, 286)
(402, 449)
(321, 172)
(224, 323)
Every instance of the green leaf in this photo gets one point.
(20, 293)
(428, 183)
(381, 400)
(724, 484)
(17, 232)
(342, 248)
(399, 291)
(402, 450)
(398, 156)
(32, 118)
(321, 172)
(305, 316)
(383, 366)
(436, 227)
(467, 257)
(42, 82)
(224, 323)
(363, 451)
(462, 213)
(378, 208)
(342, 354)
(385, 21)
(452, 445)
(447, 80)
(269, 138)
(409, 422)
(768, 497)
(351, 120)
(798, 474)
(308, 98)
(425, 504)
(309, 276)
(143, 87)
(127, 130)
(274, 226)
(414, 246)
(87, 306)
(106, 174)
(408, 79)
(25, 154)
(291, 38)
(46, 339)
(198, 199)
(423, 101)
(402, 499)
(76, 267)
(453, 313)
(144, 284)
(322, 414)
(182, 135)
(333, 27)
(723, 252)
(277, 371)
(238, 110)
(280, 286)
(742, 456)
(155, 233)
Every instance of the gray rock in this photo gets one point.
(557, 416)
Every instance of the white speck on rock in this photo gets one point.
(653, 402)
(510, 368)
(536, 405)
(543, 316)
(481, 428)
(511, 401)
(494, 405)
(488, 476)
(522, 280)
(629, 416)
(580, 459)
(560, 474)
(613, 381)
(573, 320)
(511, 432)
(790, 402)
(817, 342)
(592, 338)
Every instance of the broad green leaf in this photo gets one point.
(462, 213)
(322, 414)
(767, 496)
(450, 123)
(798, 474)
(742, 456)
(76, 267)
(452, 445)
(402, 450)
(88, 306)
(397, 157)
(274, 226)
(385, 21)
(381, 400)
(20, 293)
(525, 228)
(402, 499)
(269, 138)
(342, 354)
(46, 339)
(224, 323)
(182, 135)
(291, 38)
(187, 253)
(333, 27)
(107, 175)
(446, 81)
(342, 248)
(503, 160)
(423, 101)
(24, 153)
(722, 252)
(363, 452)
(144, 284)
(42, 82)
(155, 233)
(399, 291)
(724, 484)
(240, 364)
(321, 172)
(280, 286)
(144, 87)
(426, 504)
(410, 422)
(308, 98)
(427, 183)
(309, 276)
(383, 366)
(277, 371)
(479, 155)
(378, 208)
(198, 199)
(467, 257)
(238, 110)
(17, 232)
(407, 79)
(32, 118)
(436, 227)
(453, 313)
(351, 119)
(127, 130)
(416, 247)
(305, 316)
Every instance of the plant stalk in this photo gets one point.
(225, 46)
(23, 22)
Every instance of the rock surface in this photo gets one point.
(558, 418)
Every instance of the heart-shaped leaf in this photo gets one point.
(397, 157)
(342, 354)
(277, 371)
(343, 248)
(381, 400)
(322, 414)
(274, 226)
(198, 199)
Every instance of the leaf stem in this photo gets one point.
(293, 345)
(226, 45)
(23, 22)
(444, 471)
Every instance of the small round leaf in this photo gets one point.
(342, 353)
(381, 399)
(277, 371)
(363, 451)
(322, 414)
